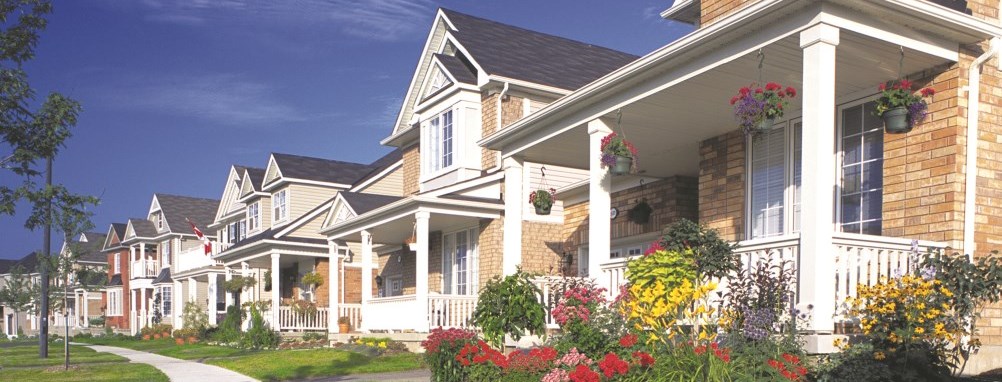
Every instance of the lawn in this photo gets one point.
(20, 362)
(279, 365)
(169, 348)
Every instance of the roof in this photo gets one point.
(28, 263)
(362, 203)
(119, 229)
(457, 68)
(143, 227)
(91, 249)
(522, 54)
(256, 176)
(116, 280)
(319, 169)
(177, 208)
(163, 277)
(6, 264)
(393, 157)
(269, 234)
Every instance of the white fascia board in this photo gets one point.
(378, 176)
(634, 81)
(389, 208)
(529, 85)
(677, 6)
(283, 180)
(453, 90)
(305, 218)
(930, 11)
(845, 19)
(465, 185)
(405, 208)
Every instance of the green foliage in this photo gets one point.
(313, 279)
(157, 315)
(195, 318)
(509, 305)
(229, 329)
(714, 257)
(238, 283)
(596, 334)
(975, 284)
(758, 299)
(16, 293)
(670, 267)
(314, 336)
(99, 321)
(259, 335)
(855, 363)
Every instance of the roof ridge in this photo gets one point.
(184, 196)
(319, 158)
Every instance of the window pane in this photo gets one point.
(851, 148)
(851, 179)
(852, 121)
(873, 144)
(871, 228)
(873, 175)
(850, 208)
(447, 139)
(768, 179)
(872, 203)
(862, 170)
(798, 147)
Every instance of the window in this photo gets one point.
(438, 82)
(281, 207)
(117, 265)
(460, 263)
(775, 181)
(166, 253)
(220, 293)
(254, 217)
(165, 300)
(242, 228)
(160, 220)
(862, 179)
(396, 285)
(114, 302)
(440, 142)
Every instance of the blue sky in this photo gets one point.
(175, 91)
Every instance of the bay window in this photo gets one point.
(460, 262)
(440, 143)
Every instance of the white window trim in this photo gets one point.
(472, 262)
(428, 170)
(255, 218)
(163, 299)
(165, 253)
(789, 192)
(287, 199)
(114, 308)
(117, 266)
(840, 158)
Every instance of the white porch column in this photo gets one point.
(421, 219)
(816, 258)
(211, 308)
(333, 287)
(132, 311)
(178, 303)
(142, 259)
(275, 290)
(513, 207)
(229, 296)
(192, 289)
(86, 310)
(599, 202)
(366, 267)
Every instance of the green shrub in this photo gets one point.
(314, 336)
(229, 329)
(714, 257)
(509, 305)
(99, 321)
(195, 318)
(259, 336)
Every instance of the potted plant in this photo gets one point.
(303, 308)
(542, 200)
(312, 280)
(640, 213)
(147, 332)
(343, 324)
(618, 154)
(757, 108)
(179, 336)
(900, 107)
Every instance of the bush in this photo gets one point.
(441, 349)
(229, 329)
(509, 305)
(259, 336)
(758, 301)
(195, 318)
(713, 257)
(314, 336)
(99, 321)
(586, 321)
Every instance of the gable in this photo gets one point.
(246, 186)
(230, 201)
(112, 238)
(272, 172)
(435, 38)
(130, 231)
(339, 212)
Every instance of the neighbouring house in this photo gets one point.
(269, 222)
(25, 320)
(155, 244)
(116, 291)
(84, 283)
(465, 217)
(868, 205)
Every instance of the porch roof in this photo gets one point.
(682, 90)
(393, 223)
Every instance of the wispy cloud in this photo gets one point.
(382, 20)
(220, 98)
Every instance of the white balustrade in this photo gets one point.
(298, 321)
(451, 311)
(392, 313)
(142, 269)
(353, 312)
(196, 258)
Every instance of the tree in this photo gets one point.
(33, 132)
(17, 293)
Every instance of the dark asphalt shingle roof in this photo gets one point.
(255, 176)
(362, 203)
(177, 208)
(119, 229)
(5, 265)
(319, 169)
(163, 277)
(457, 68)
(115, 280)
(536, 57)
(91, 250)
(28, 263)
(143, 227)
(382, 164)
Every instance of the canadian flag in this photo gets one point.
(205, 241)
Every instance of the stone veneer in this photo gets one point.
(412, 169)
(722, 184)
(511, 111)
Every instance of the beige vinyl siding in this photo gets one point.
(556, 177)
(535, 105)
(246, 187)
(265, 211)
(311, 229)
(304, 198)
(391, 184)
(201, 293)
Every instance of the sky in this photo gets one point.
(176, 91)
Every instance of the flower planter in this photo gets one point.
(192, 340)
(146, 337)
(179, 341)
(622, 166)
(765, 125)
(896, 120)
(344, 328)
(543, 210)
(156, 336)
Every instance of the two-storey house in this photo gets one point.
(116, 291)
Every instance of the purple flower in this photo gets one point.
(917, 112)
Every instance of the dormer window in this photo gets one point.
(438, 82)
(160, 221)
(254, 217)
(281, 205)
(440, 142)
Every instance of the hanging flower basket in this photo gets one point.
(619, 155)
(757, 108)
(542, 200)
(900, 107)
(640, 213)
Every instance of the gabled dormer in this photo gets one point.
(230, 223)
(296, 184)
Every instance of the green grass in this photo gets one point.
(170, 349)
(278, 365)
(90, 373)
(23, 356)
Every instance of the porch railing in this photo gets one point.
(144, 269)
(451, 311)
(548, 285)
(195, 258)
(353, 312)
(392, 313)
(296, 321)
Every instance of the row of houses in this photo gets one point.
(495, 111)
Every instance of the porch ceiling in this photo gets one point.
(667, 126)
(396, 231)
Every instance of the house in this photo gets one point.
(117, 294)
(269, 222)
(20, 321)
(85, 281)
(155, 244)
(464, 217)
(869, 203)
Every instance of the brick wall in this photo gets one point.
(722, 184)
(713, 10)
(511, 111)
(542, 246)
(120, 322)
(671, 199)
(491, 246)
(412, 169)
(407, 268)
(322, 268)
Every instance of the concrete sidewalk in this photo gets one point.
(402, 376)
(176, 369)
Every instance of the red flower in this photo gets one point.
(734, 99)
(699, 350)
(628, 341)
(928, 92)
(655, 246)
(583, 373)
(744, 90)
(790, 91)
(758, 91)
(643, 359)
(772, 86)
(611, 365)
(905, 84)
(791, 358)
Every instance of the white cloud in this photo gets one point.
(383, 20)
(222, 98)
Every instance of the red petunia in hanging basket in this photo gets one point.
(756, 107)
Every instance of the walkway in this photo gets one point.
(402, 376)
(176, 369)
